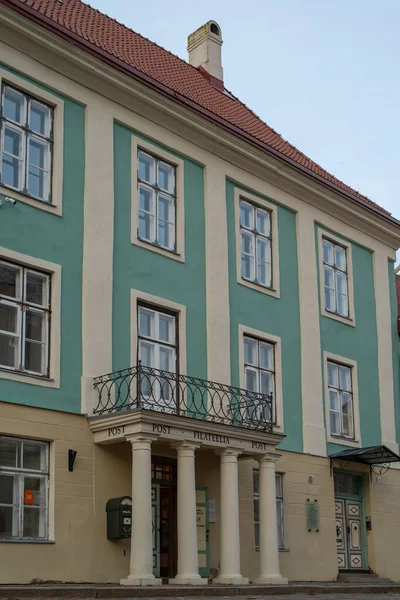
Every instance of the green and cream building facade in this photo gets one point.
(191, 329)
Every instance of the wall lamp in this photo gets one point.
(71, 459)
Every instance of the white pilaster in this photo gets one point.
(141, 564)
(269, 553)
(188, 561)
(230, 536)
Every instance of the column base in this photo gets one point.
(189, 580)
(142, 581)
(271, 580)
(231, 580)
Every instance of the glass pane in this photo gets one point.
(256, 510)
(264, 250)
(348, 429)
(9, 351)
(8, 489)
(266, 355)
(329, 281)
(279, 522)
(146, 226)
(35, 492)
(10, 171)
(165, 206)
(246, 215)
(247, 243)
(10, 280)
(166, 177)
(256, 482)
(334, 419)
(333, 374)
(8, 521)
(166, 235)
(347, 405)
(38, 153)
(34, 456)
(146, 322)
(250, 351)
(257, 534)
(146, 354)
(247, 267)
(263, 273)
(328, 252)
(278, 485)
(35, 357)
(39, 118)
(146, 168)
(12, 141)
(34, 522)
(166, 328)
(266, 382)
(38, 181)
(35, 326)
(340, 258)
(345, 378)
(343, 305)
(251, 380)
(167, 359)
(334, 400)
(263, 224)
(9, 453)
(9, 318)
(14, 105)
(341, 283)
(329, 296)
(146, 199)
(36, 288)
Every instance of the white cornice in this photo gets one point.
(94, 74)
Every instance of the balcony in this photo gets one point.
(145, 388)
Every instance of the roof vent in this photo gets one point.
(204, 47)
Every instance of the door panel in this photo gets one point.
(341, 534)
(349, 539)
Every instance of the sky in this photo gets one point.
(325, 74)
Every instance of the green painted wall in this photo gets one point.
(142, 269)
(395, 347)
(280, 317)
(358, 343)
(26, 229)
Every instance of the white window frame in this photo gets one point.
(178, 253)
(257, 201)
(20, 472)
(258, 370)
(56, 174)
(54, 272)
(338, 241)
(245, 331)
(280, 508)
(351, 364)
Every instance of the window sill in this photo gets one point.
(269, 291)
(21, 197)
(343, 441)
(336, 317)
(28, 378)
(25, 541)
(173, 254)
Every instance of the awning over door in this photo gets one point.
(372, 455)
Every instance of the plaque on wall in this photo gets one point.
(312, 512)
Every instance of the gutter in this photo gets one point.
(141, 77)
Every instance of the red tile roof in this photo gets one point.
(123, 44)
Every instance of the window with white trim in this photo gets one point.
(341, 409)
(26, 144)
(259, 369)
(158, 349)
(335, 278)
(256, 243)
(24, 485)
(24, 319)
(157, 201)
(279, 508)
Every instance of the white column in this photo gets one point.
(188, 561)
(269, 553)
(230, 536)
(141, 564)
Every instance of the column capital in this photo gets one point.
(269, 457)
(185, 447)
(228, 454)
(141, 439)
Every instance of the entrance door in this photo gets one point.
(155, 518)
(202, 530)
(349, 534)
(163, 495)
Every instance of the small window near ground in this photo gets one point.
(335, 278)
(26, 144)
(157, 201)
(279, 508)
(256, 244)
(341, 410)
(24, 319)
(24, 483)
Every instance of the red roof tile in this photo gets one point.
(167, 69)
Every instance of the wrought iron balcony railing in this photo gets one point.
(145, 388)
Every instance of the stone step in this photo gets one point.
(362, 578)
